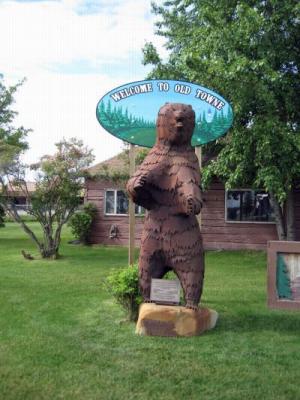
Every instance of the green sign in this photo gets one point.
(129, 112)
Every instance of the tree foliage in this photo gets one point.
(120, 175)
(249, 52)
(58, 187)
(12, 140)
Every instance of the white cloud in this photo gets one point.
(64, 106)
(38, 35)
(36, 38)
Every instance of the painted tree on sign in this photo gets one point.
(115, 119)
(249, 52)
(215, 127)
(283, 279)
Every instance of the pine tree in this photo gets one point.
(104, 115)
(101, 110)
(282, 279)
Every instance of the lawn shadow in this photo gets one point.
(274, 321)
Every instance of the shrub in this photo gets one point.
(80, 225)
(91, 209)
(81, 222)
(123, 285)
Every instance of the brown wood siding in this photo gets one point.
(95, 193)
(217, 233)
(297, 210)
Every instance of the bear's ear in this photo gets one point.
(167, 103)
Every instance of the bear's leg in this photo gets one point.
(150, 266)
(191, 276)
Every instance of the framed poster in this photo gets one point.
(284, 275)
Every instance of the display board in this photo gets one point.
(284, 275)
(129, 112)
(165, 291)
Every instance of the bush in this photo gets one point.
(81, 222)
(91, 209)
(123, 285)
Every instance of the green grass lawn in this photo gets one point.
(61, 335)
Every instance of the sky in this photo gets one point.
(71, 52)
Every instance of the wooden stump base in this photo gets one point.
(163, 320)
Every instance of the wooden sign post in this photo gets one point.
(198, 151)
(131, 209)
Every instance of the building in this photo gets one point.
(235, 219)
(21, 196)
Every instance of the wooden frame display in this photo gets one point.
(284, 275)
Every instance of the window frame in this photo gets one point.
(115, 214)
(139, 214)
(244, 222)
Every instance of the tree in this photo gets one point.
(2, 215)
(12, 140)
(120, 175)
(59, 186)
(249, 52)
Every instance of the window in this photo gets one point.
(110, 202)
(122, 202)
(116, 202)
(139, 210)
(248, 206)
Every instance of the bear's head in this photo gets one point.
(175, 123)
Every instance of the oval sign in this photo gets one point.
(129, 112)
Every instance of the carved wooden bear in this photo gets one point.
(167, 185)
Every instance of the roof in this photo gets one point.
(115, 163)
(15, 189)
(31, 186)
(120, 162)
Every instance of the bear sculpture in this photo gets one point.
(167, 184)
